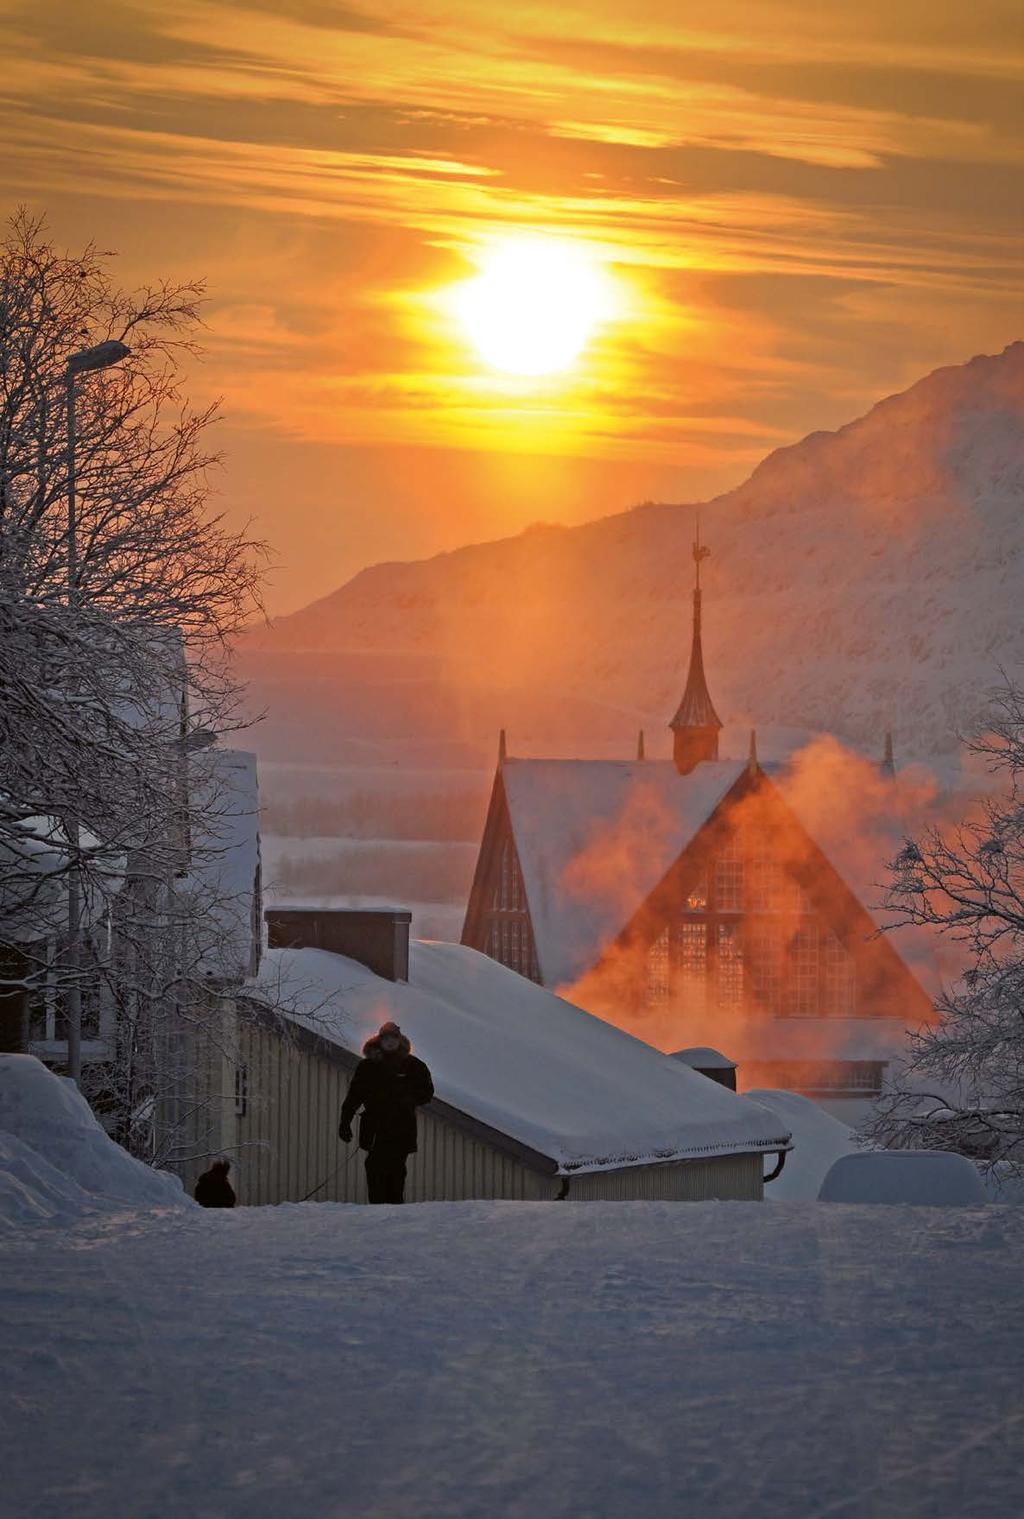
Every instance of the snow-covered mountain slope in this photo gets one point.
(860, 580)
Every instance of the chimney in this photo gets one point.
(378, 940)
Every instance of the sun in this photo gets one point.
(533, 306)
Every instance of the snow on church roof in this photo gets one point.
(594, 838)
(521, 1060)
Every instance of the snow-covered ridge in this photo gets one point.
(860, 580)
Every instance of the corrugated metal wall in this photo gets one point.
(289, 1143)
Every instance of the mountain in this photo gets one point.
(866, 579)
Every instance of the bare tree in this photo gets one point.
(113, 668)
(963, 1084)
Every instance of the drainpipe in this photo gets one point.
(778, 1167)
(563, 1191)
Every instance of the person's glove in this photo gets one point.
(345, 1131)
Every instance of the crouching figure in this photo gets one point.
(389, 1085)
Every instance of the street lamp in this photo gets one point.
(100, 356)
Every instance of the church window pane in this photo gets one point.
(729, 878)
(803, 977)
(730, 966)
(657, 970)
(765, 960)
(690, 945)
(839, 984)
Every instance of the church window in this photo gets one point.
(697, 900)
(690, 946)
(839, 985)
(765, 960)
(803, 978)
(508, 891)
(729, 878)
(657, 971)
(729, 959)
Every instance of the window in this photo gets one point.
(729, 966)
(803, 971)
(508, 890)
(765, 962)
(656, 990)
(839, 989)
(690, 946)
(241, 1090)
(852, 1078)
(729, 878)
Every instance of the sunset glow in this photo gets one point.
(533, 307)
(483, 266)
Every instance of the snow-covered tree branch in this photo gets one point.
(963, 1085)
(113, 673)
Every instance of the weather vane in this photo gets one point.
(699, 551)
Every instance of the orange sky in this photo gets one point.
(804, 206)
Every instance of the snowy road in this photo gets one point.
(516, 1361)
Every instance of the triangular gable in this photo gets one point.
(880, 964)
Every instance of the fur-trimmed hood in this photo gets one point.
(372, 1045)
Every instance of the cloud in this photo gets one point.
(804, 200)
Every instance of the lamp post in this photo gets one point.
(101, 356)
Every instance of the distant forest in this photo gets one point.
(451, 817)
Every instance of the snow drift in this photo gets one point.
(818, 1141)
(56, 1160)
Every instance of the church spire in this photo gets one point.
(696, 725)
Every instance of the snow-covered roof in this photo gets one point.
(523, 1061)
(594, 838)
(226, 864)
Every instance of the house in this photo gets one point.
(535, 1098)
(158, 1054)
(688, 901)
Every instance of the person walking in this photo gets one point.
(213, 1190)
(389, 1085)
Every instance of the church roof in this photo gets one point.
(594, 838)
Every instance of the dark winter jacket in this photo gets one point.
(389, 1088)
(213, 1190)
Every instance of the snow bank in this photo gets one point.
(55, 1157)
(818, 1141)
(31, 1189)
(500, 1360)
(531, 1065)
(927, 1178)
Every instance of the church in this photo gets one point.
(686, 901)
